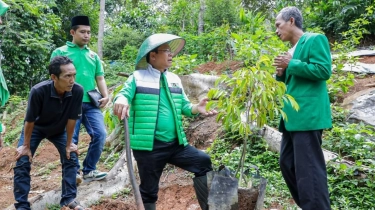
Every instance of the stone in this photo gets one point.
(363, 109)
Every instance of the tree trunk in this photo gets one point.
(101, 28)
(201, 17)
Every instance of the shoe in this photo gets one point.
(149, 206)
(94, 176)
(75, 205)
(78, 179)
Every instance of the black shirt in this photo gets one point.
(49, 112)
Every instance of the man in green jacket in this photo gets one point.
(304, 69)
(157, 100)
(4, 93)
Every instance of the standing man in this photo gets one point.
(89, 71)
(53, 108)
(157, 101)
(4, 93)
(304, 69)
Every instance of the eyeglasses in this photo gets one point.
(168, 51)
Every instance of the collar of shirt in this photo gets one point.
(54, 93)
(156, 71)
(71, 44)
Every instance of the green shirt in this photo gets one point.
(86, 62)
(166, 125)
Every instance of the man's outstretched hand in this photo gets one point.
(201, 108)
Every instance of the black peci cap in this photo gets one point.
(80, 20)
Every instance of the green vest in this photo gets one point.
(145, 105)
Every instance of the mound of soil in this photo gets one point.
(219, 68)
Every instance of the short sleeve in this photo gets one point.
(34, 106)
(76, 108)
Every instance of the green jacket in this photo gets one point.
(305, 78)
(142, 91)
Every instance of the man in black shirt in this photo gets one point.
(53, 108)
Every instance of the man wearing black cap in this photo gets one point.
(89, 71)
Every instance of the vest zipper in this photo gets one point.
(157, 115)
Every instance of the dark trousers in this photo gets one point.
(304, 170)
(151, 165)
(23, 166)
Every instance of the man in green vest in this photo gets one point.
(304, 69)
(89, 74)
(154, 100)
(4, 93)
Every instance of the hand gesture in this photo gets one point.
(281, 62)
(201, 107)
(71, 148)
(24, 151)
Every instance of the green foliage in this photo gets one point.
(32, 29)
(123, 193)
(351, 141)
(252, 91)
(113, 68)
(184, 64)
(341, 81)
(219, 12)
(53, 207)
(110, 120)
(259, 6)
(129, 54)
(337, 15)
(251, 21)
(348, 190)
(66, 9)
(183, 16)
(214, 45)
(122, 44)
(144, 17)
(26, 43)
(15, 113)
